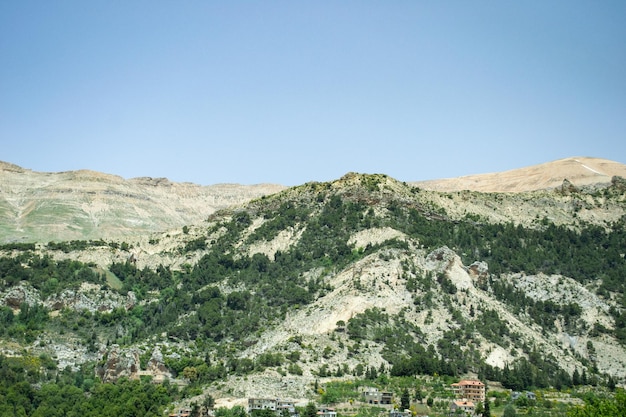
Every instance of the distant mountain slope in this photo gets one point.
(79, 205)
(580, 171)
(38, 206)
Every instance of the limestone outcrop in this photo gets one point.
(118, 363)
(19, 294)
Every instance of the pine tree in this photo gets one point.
(487, 408)
(419, 396)
(208, 403)
(310, 410)
(576, 378)
(405, 400)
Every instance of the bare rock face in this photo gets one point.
(567, 187)
(119, 363)
(90, 299)
(156, 366)
(445, 261)
(124, 363)
(440, 259)
(19, 294)
(69, 354)
(131, 300)
(74, 300)
(478, 270)
(580, 171)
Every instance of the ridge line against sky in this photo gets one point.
(290, 92)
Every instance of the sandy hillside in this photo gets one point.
(580, 171)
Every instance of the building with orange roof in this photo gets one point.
(469, 389)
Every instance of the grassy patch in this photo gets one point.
(112, 280)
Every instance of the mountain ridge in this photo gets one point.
(579, 171)
(85, 204)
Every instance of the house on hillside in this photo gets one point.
(469, 389)
(465, 406)
(288, 405)
(373, 396)
(398, 413)
(528, 394)
(261, 404)
(276, 405)
(326, 412)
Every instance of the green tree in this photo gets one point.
(310, 410)
(191, 373)
(208, 403)
(236, 411)
(195, 410)
(615, 406)
(576, 379)
(509, 411)
(263, 413)
(419, 395)
(487, 408)
(479, 409)
(405, 400)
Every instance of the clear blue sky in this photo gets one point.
(295, 91)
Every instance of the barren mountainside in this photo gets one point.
(38, 206)
(579, 171)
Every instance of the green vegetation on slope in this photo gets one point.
(222, 303)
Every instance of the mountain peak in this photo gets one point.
(580, 171)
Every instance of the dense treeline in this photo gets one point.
(47, 275)
(588, 254)
(404, 348)
(26, 325)
(66, 393)
(74, 245)
(404, 345)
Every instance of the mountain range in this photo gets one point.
(42, 206)
(264, 291)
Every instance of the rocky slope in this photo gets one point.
(42, 207)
